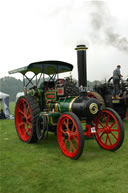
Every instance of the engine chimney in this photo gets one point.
(81, 64)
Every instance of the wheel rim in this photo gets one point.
(68, 136)
(23, 117)
(107, 130)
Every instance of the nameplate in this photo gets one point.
(116, 101)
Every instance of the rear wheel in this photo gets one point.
(109, 130)
(26, 112)
(70, 135)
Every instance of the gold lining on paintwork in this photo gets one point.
(38, 92)
(81, 48)
(53, 122)
(33, 92)
(49, 107)
(56, 107)
(70, 104)
(115, 101)
(49, 93)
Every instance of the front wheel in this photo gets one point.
(70, 135)
(109, 130)
(26, 112)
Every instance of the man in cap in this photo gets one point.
(116, 80)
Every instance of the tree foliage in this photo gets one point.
(11, 86)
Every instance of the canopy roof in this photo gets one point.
(46, 67)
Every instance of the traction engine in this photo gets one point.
(58, 105)
(104, 92)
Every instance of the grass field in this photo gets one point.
(42, 168)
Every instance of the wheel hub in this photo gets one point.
(68, 135)
(107, 129)
(24, 119)
(65, 135)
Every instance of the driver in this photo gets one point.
(116, 80)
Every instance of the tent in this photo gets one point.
(19, 94)
(4, 99)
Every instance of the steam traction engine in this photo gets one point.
(58, 105)
(103, 93)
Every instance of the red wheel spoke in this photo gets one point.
(24, 134)
(73, 134)
(24, 107)
(102, 134)
(63, 131)
(27, 111)
(26, 126)
(29, 117)
(21, 112)
(29, 123)
(114, 136)
(29, 131)
(104, 117)
(110, 140)
(66, 142)
(71, 146)
(100, 123)
(75, 139)
(115, 130)
(72, 127)
(66, 125)
(108, 117)
(21, 124)
(113, 124)
(99, 130)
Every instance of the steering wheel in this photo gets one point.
(111, 78)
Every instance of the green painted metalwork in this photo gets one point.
(52, 117)
(46, 67)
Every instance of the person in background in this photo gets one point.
(116, 80)
(2, 115)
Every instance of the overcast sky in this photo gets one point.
(37, 30)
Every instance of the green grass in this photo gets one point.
(12, 107)
(42, 168)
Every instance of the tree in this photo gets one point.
(11, 86)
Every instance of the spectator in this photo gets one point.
(116, 80)
(2, 114)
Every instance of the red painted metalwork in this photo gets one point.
(23, 119)
(88, 132)
(50, 96)
(68, 136)
(107, 130)
(91, 95)
(60, 91)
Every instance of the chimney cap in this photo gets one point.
(81, 47)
